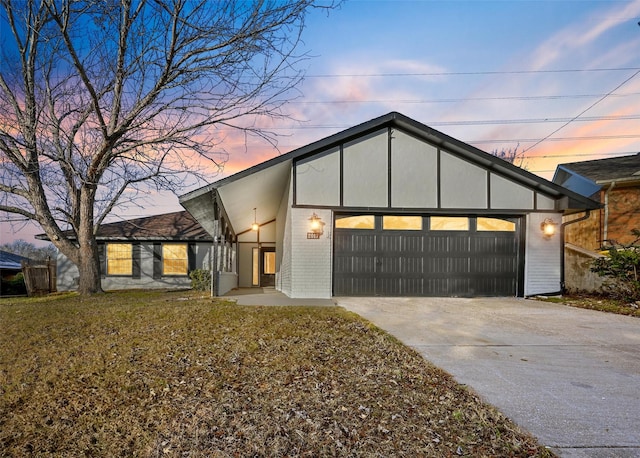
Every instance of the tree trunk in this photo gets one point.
(89, 268)
(89, 265)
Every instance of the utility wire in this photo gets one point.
(506, 72)
(462, 99)
(582, 112)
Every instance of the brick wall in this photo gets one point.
(585, 234)
(624, 214)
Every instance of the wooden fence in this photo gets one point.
(40, 279)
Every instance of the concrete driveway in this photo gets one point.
(569, 376)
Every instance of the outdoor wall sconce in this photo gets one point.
(317, 227)
(548, 227)
(255, 226)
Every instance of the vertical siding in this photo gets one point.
(543, 256)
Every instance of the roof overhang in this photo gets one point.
(239, 195)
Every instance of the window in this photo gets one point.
(449, 223)
(119, 259)
(174, 259)
(255, 267)
(402, 223)
(355, 222)
(269, 262)
(496, 225)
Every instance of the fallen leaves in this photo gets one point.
(138, 374)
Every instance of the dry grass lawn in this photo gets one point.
(600, 303)
(177, 374)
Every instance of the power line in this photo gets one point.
(456, 100)
(583, 111)
(481, 122)
(557, 139)
(505, 72)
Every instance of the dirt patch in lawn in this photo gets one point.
(177, 374)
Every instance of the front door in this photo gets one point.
(267, 266)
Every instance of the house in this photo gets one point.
(152, 252)
(389, 207)
(615, 184)
(10, 267)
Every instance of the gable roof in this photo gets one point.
(169, 226)
(588, 177)
(271, 176)
(11, 261)
(606, 170)
(176, 226)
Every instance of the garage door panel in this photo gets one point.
(390, 265)
(426, 263)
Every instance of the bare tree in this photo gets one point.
(511, 155)
(29, 250)
(99, 98)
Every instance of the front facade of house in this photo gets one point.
(387, 208)
(145, 253)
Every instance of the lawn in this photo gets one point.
(598, 302)
(178, 374)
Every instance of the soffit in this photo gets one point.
(262, 190)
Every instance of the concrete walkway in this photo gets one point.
(569, 376)
(269, 296)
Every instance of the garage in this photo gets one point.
(400, 255)
(390, 207)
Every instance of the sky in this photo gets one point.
(559, 80)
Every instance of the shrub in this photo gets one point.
(200, 279)
(14, 287)
(621, 268)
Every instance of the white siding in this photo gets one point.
(462, 184)
(67, 274)
(310, 258)
(366, 171)
(283, 243)
(543, 256)
(414, 172)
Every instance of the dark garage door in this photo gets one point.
(426, 256)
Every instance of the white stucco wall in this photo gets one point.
(414, 172)
(365, 171)
(543, 256)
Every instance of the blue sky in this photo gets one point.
(495, 74)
